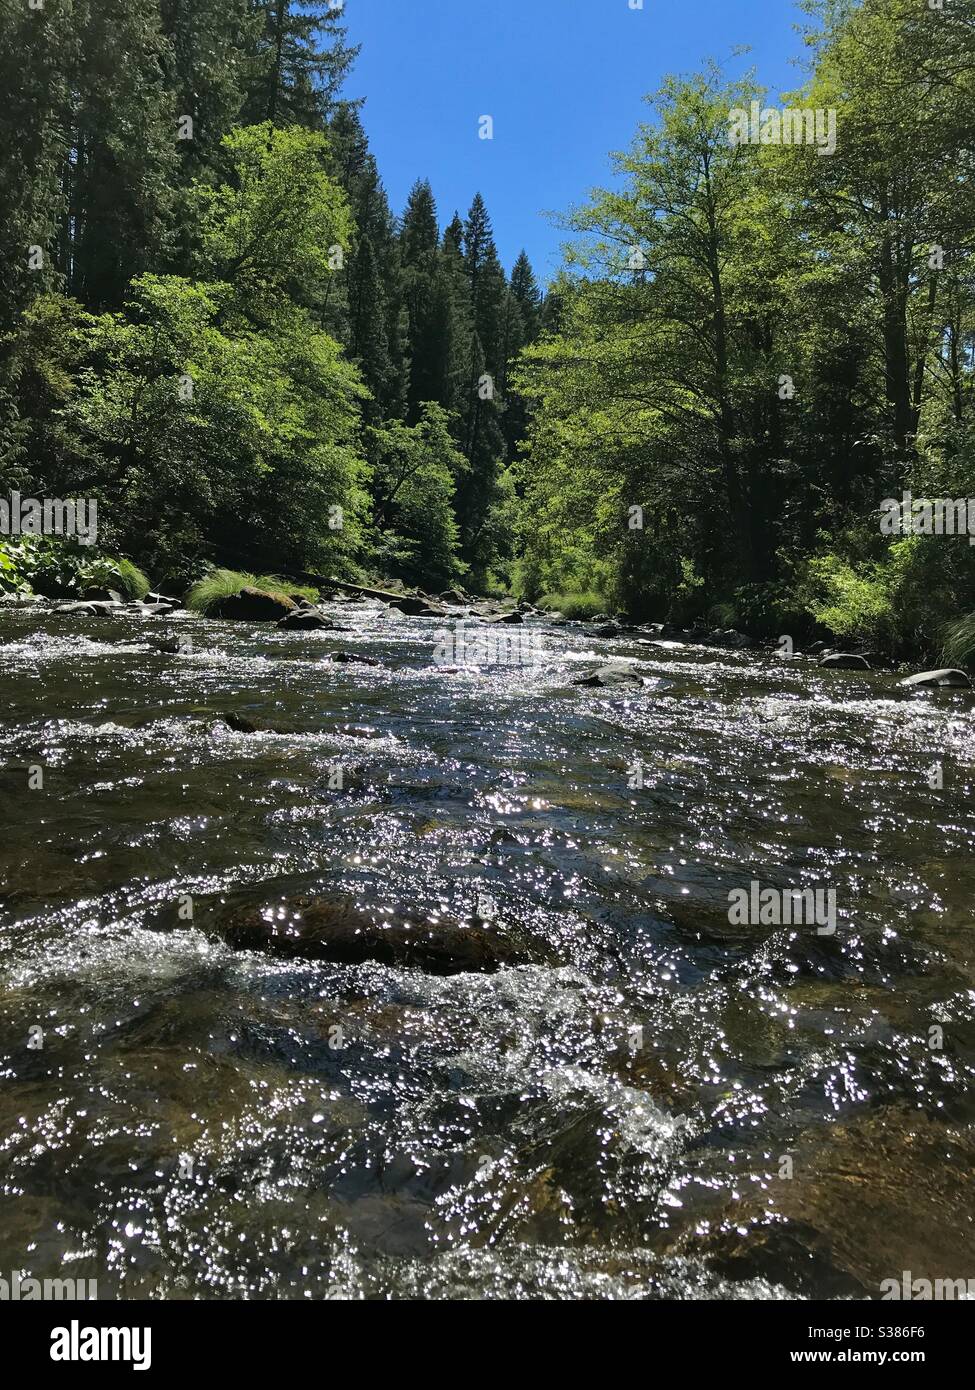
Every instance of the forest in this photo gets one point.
(215, 325)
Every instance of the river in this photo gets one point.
(669, 1105)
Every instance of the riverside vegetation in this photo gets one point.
(216, 326)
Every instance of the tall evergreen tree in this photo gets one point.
(427, 305)
(521, 326)
(375, 327)
(482, 438)
(300, 63)
(119, 149)
(209, 44)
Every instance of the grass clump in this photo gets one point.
(959, 641)
(130, 581)
(219, 584)
(585, 604)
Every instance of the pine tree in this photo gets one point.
(299, 65)
(372, 319)
(527, 295)
(35, 81)
(425, 301)
(419, 232)
(119, 149)
(205, 66)
(482, 437)
(522, 324)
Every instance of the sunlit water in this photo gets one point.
(675, 1107)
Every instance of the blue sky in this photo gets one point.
(563, 80)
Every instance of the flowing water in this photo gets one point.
(673, 1106)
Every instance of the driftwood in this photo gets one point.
(361, 590)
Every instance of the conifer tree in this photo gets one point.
(299, 65)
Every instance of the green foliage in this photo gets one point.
(208, 416)
(65, 569)
(226, 306)
(574, 605)
(754, 345)
(897, 603)
(275, 228)
(414, 477)
(959, 641)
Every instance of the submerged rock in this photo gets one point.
(359, 660)
(945, 675)
(241, 724)
(253, 605)
(336, 929)
(610, 675)
(846, 661)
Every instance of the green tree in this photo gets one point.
(415, 472)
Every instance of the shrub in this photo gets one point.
(65, 569)
(575, 605)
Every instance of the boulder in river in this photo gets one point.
(305, 620)
(19, 600)
(845, 661)
(614, 673)
(148, 610)
(454, 597)
(93, 608)
(154, 606)
(337, 929)
(513, 617)
(609, 629)
(944, 676)
(253, 605)
(97, 593)
(414, 606)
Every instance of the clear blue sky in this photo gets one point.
(563, 79)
